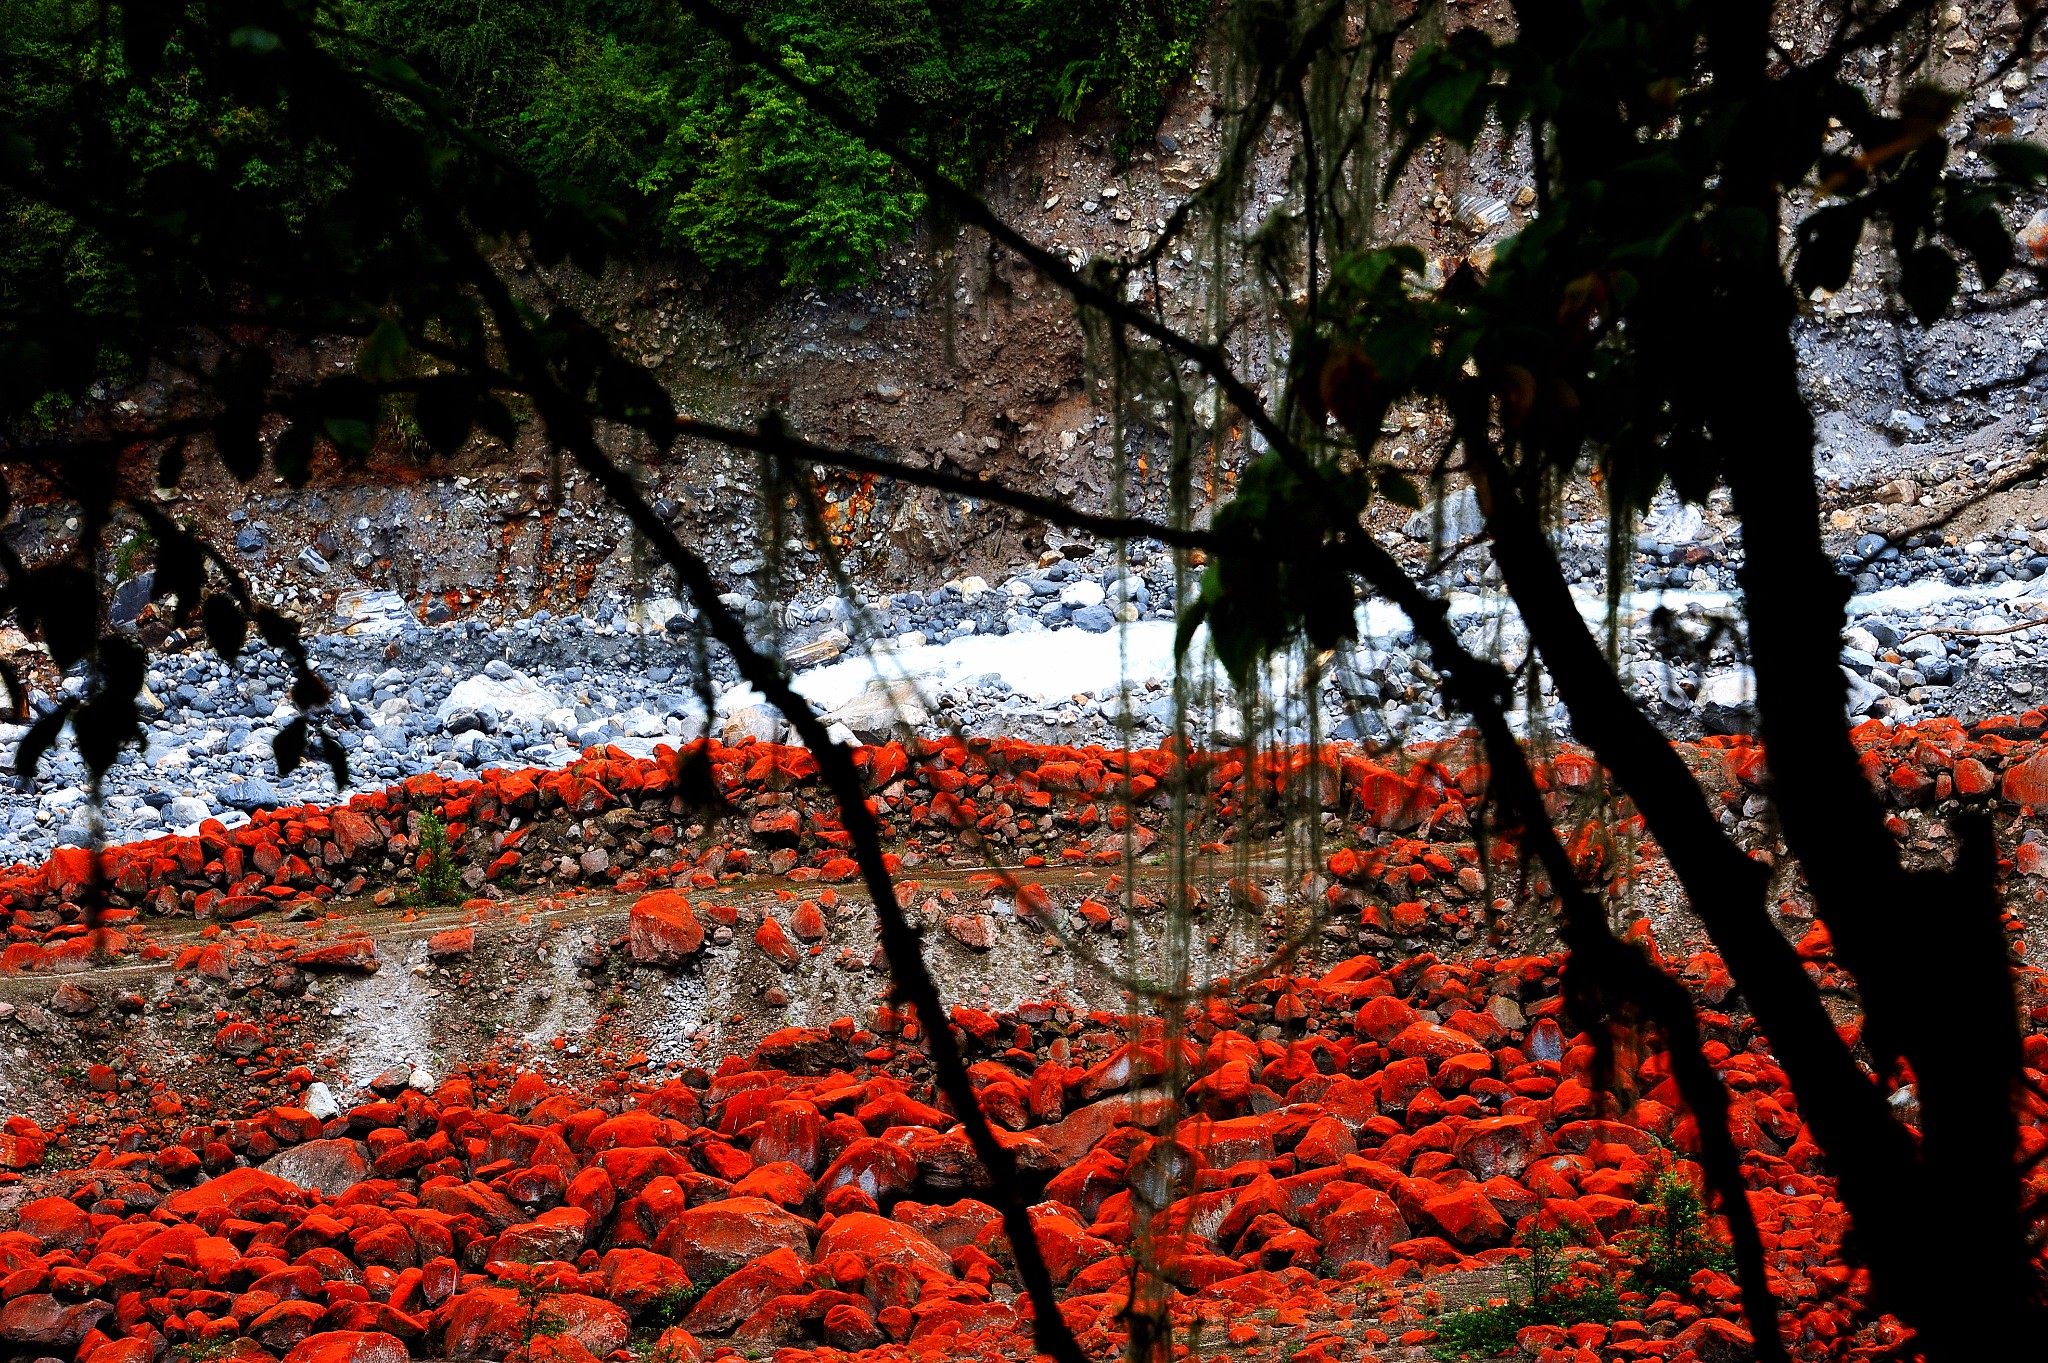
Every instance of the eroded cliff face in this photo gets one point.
(958, 356)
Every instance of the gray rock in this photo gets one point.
(874, 714)
(1460, 513)
(129, 599)
(1905, 425)
(1094, 619)
(250, 793)
(1081, 595)
(1862, 694)
(332, 1166)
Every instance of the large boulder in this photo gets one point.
(58, 1222)
(41, 1324)
(637, 1279)
(349, 1346)
(332, 1166)
(746, 1291)
(490, 1322)
(514, 696)
(713, 1240)
(880, 1240)
(661, 930)
(1494, 1146)
(230, 1189)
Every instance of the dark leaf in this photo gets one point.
(292, 454)
(1842, 176)
(259, 41)
(180, 567)
(227, 629)
(121, 665)
(629, 394)
(493, 416)
(1927, 281)
(350, 434)
(347, 411)
(68, 606)
(445, 410)
(170, 465)
(290, 746)
(1924, 109)
(277, 630)
(1827, 248)
(696, 782)
(2023, 163)
(102, 727)
(1978, 227)
(1399, 489)
(40, 737)
(336, 758)
(234, 437)
(381, 356)
(1193, 617)
(145, 30)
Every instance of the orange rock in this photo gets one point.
(2026, 783)
(636, 1278)
(355, 954)
(230, 1189)
(713, 1240)
(349, 1346)
(807, 922)
(879, 1240)
(1495, 1146)
(39, 1323)
(57, 1222)
(1973, 778)
(354, 834)
(238, 1038)
(1467, 1217)
(772, 941)
(976, 931)
(792, 1134)
(744, 1292)
(1428, 1040)
(661, 930)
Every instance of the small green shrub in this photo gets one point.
(1678, 1242)
(1549, 1298)
(128, 558)
(540, 1319)
(671, 1306)
(435, 881)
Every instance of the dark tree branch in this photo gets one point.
(794, 450)
(569, 427)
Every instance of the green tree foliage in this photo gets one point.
(435, 879)
(617, 101)
(1546, 1293)
(1676, 1241)
(643, 108)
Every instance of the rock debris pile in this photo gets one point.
(1353, 1142)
